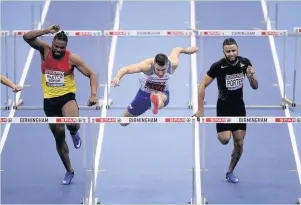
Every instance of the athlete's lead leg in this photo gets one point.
(224, 137)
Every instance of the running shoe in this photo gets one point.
(68, 177)
(76, 140)
(155, 100)
(231, 178)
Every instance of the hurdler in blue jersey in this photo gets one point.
(155, 74)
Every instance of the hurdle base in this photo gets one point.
(193, 203)
(7, 105)
(86, 201)
(288, 102)
(107, 104)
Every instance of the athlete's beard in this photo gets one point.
(231, 59)
(56, 55)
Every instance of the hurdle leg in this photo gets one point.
(86, 201)
(8, 104)
(103, 102)
(287, 101)
(17, 104)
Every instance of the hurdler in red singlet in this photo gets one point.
(57, 76)
(59, 88)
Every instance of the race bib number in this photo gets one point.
(157, 86)
(54, 78)
(234, 81)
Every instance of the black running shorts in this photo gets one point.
(230, 109)
(53, 106)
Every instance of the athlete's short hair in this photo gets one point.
(61, 36)
(161, 59)
(229, 41)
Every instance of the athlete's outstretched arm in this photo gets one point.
(143, 66)
(86, 71)
(179, 50)
(176, 52)
(7, 82)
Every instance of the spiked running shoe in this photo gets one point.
(68, 177)
(231, 178)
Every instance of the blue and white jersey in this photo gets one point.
(153, 83)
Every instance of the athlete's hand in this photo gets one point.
(250, 71)
(199, 113)
(115, 82)
(194, 49)
(53, 29)
(92, 100)
(17, 88)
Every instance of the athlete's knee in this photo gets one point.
(224, 141)
(224, 137)
(124, 124)
(239, 136)
(58, 131)
(239, 143)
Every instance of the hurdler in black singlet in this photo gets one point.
(230, 79)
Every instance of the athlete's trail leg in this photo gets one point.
(158, 100)
(238, 137)
(58, 131)
(70, 109)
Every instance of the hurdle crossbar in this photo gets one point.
(251, 106)
(154, 120)
(4, 107)
(81, 107)
(121, 107)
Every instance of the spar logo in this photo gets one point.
(212, 33)
(178, 33)
(117, 33)
(272, 33)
